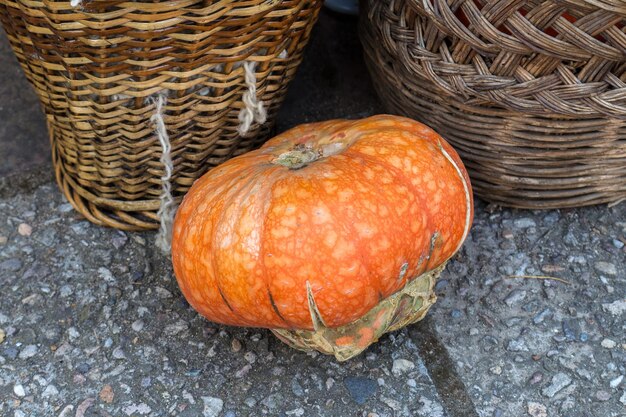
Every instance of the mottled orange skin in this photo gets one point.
(251, 233)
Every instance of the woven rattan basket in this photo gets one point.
(100, 68)
(531, 93)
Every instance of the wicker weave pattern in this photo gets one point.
(531, 93)
(98, 67)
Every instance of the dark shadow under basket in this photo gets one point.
(99, 67)
(531, 94)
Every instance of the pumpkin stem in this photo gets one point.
(300, 156)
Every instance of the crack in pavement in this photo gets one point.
(451, 389)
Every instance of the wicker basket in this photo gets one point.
(99, 68)
(531, 93)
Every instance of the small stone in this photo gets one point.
(28, 352)
(146, 382)
(559, 381)
(622, 399)
(330, 382)
(296, 388)
(456, 314)
(243, 371)
(603, 395)
(606, 268)
(3, 240)
(537, 409)
(360, 388)
(18, 390)
(11, 352)
(536, 378)
(141, 409)
(67, 411)
(524, 223)
(50, 391)
(391, 403)
(473, 331)
(250, 402)
(583, 337)
(73, 333)
(616, 308)
(571, 329)
(83, 368)
(515, 297)
(616, 381)
(106, 394)
(176, 328)
(507, 234)
(65, 208)
(24, 229)
(11, 265)
(250, 357)
(235, 345)
(2, 335)
(66, 291)
(411, 383)
(137, 325)
(608, 343)
(517, 345)
(273, 401)
(401, 366)
(118, 353)
(496, 370)
(616, 242)
(162, 292)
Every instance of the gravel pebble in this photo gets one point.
(28, 352)
(2, 335)
(11, 265)
(537, 409)
(602, 395)
(106, 394)
(536, 378)
(141, 409)
(212, 406)
(24, 229)
(517, 345)
(608, 343)
(235, 345)
(606, 268)
(50, 391)
(559, 381)
(515, 297)
(176, 328)
(18, 389)
(616, 308)
(137, 325)
(524, 223)
(401, 366)
(360, 388)
(616, 381)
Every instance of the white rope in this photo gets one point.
(166, 209)
(254, 110)
(75, 3)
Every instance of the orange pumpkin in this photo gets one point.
(320, 227)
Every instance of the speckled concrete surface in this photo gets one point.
(92, 319)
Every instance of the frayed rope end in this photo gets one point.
(167, 208)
